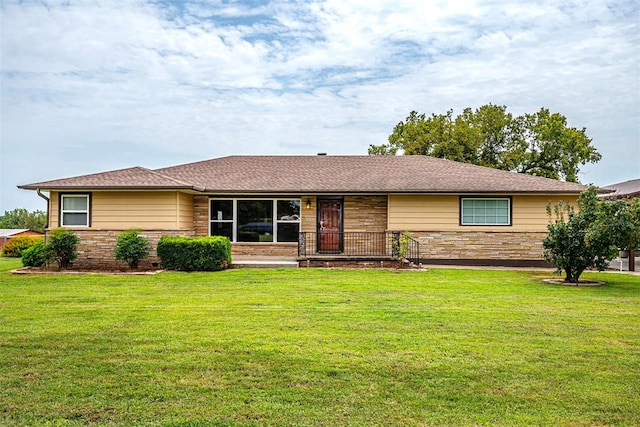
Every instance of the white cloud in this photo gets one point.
(98, 85)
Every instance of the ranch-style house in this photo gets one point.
(318, 210)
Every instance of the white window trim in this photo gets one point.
(233, 213)
(66, 211)
(274, 202)
(474, 224)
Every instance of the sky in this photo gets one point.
(96, 85)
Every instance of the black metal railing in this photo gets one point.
(406, 247)
(370, 244)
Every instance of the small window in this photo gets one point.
(485, 211)
(288, 220)
(74, 210)
(222, 218)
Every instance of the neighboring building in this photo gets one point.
(320, 209)
(623, 190)
(7, 234)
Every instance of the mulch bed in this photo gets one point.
(580, 282)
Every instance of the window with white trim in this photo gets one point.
(288, 220)
(74, 210)
(485, 211)
(255, 220)
(221, 216)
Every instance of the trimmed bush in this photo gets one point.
(195, 254)
(63, 245)
(36, 256)
(16, 245)
(131, 247)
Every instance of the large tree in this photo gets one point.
(537, 144)
(21, 218)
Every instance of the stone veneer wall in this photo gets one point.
(96, 248)
(365, 213)
(480, 245)
(308, 217)
(201, 215)
(284, 250)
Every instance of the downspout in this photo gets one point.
(46, 225)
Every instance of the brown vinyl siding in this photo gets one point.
(54, 209)
(423, 212)
(185, 211)
(121, 210)
(442, 212)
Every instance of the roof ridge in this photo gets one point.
(170, 178)
(339, 173)
(623, 182)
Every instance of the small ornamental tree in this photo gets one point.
(62, 246)
(131, 247)
(579, 239)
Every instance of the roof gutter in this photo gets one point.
(46, 225)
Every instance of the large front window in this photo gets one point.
(485, 211)
(255, 220)
(74, 210)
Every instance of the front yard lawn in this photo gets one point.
(318, 347)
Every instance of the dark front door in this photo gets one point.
(330, 225)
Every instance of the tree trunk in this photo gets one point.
(632, 259)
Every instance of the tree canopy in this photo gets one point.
(537, 144)
(21, 218)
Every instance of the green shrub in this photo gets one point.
(63, 245)
(16, 245)
(36, 256)
(195, 254)
(131, 247)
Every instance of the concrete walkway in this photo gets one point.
(239, 261)
(283, 262)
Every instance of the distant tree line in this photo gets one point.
(22, 218)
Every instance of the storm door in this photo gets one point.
(330, 225)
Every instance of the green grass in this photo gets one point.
(318, 347)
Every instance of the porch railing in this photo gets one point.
(369, 244)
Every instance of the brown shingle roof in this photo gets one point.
(320, 174)
(284, 174)
(620, 190)
(132, 178)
